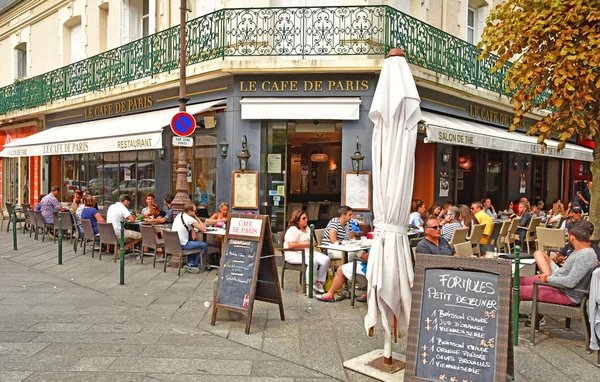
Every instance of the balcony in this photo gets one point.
(296, 32)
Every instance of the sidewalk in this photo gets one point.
(74, 322)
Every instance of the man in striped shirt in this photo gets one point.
(337, 230)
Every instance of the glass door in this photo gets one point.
(273, 175)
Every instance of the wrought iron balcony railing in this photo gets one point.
(283, 32)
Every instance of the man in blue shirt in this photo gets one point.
(168, 200)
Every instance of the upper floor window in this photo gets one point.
(21, 60)
(203, 7)
(77, 48)
(471, 25)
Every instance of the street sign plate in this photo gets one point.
(183, 124)
(183, 142)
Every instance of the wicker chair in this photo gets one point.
(493, 238)
(41, 224)
(88, 236)
(302, 267)
(312, 211)
(579, 311)
(530, 234)
(459, 236)
(476, 236)
(510, 235)
(108, 237)
(149, 240)
(173, 248)
(550, 238)
(464, 249)
(20, 219)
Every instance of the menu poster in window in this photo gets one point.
(459, 322)
(244, 189)
(357, 190)
(274, 163)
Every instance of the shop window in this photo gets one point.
(205, 171)
(146, 177)
(21, 60)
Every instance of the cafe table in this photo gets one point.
(215, 232)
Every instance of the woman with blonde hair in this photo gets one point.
(558, 211)
(220, 218)
(297, 236)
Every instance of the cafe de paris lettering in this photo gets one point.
(304, 86)
(119, 107)
(68, 148)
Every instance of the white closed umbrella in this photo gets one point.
(395, 112)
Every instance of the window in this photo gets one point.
(204, 7)
(139, 19)
(77, 48)
(103, 30)
(471, 24)
(21, 60)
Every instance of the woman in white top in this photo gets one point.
(298, 236)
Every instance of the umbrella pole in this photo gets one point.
(387, 350)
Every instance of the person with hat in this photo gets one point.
(575, 215)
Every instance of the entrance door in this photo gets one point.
(10, 179)
(302, 171)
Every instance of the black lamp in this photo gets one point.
(224, 147)
(526, 164)
(357, 158)
(515, 164)
(244, 155)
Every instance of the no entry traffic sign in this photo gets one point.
(183, 124)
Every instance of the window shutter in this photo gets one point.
(151, 16)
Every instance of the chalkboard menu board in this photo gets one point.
(237, 278)
(248, 271)
(459, 319)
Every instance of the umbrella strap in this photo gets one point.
(379, 226)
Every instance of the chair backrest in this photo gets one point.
(477, 233)
(27, 212)
(280, 236)
(319, 235)
(26, 205)
(107, 233)
(550, 238)
(9, 208)
(413, 248)
(533, 224)
(88, 230)
(148, 237)
(459, 235)
(333, 210)
(463, 249)
(172, 243)
(39, 218)
(66, 220)
(312, 211)
(498, 226)
(514, 224)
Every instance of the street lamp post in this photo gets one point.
(181, 186)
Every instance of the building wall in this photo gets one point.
(42, 33)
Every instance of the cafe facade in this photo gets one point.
(300, 132)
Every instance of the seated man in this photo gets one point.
(574, 215)
(155, 215)
(149, 200)
(345, 272)
(433, 243)
(119, 212)
(184, 225)
(416, 218)
(337, 230)
(483, 218)
(573, 274)
(168, 200)
(49, 204)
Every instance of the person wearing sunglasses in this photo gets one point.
(297, 237)
(574, 215)
(434, 243)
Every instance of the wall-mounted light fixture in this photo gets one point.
(515, 164)
(357, 158)
(526, 164)
(445, 157)
(224, 148)
(244, 155)
(161, 154)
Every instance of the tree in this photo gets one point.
(555, 48)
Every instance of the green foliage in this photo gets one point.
(555, 47)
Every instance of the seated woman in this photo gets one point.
(556, 214)
(523, 221)
(77, 199)
(156, 216)
(90, 213)
(434, 211)
(298, 236)
(219, 218)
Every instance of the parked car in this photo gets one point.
(144, 186)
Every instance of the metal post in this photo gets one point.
(311, 254)
(60, 237)
(516, 288)
(122, 262)
(14, 222)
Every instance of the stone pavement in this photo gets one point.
(74, 322)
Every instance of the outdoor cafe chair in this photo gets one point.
(109, 237)
(41, 224)
(20, 219)
(530, 234)
(476, 237)
(493, 238)
(89, 236)
(77, 234)
(29, 220)
(464, 249)
(302, 267)
(550, 238)
(149, 240)
(173, 248)
(67, 225)
(459, 236)
(312, 211)
(578, 311)
(413, 248)
(33, 225)
(500, 242)
(510, 235)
